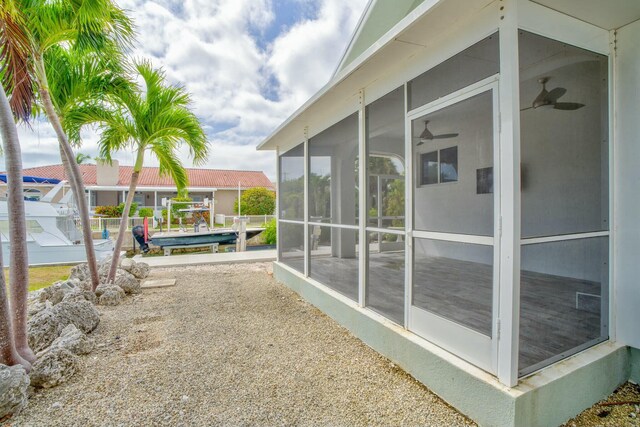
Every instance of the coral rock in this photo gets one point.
(53, 367)
(74, 340)
(14, 383)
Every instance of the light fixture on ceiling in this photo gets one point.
(426, 135)
(549, 99)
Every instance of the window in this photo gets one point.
(292, 184)
(31, 194)
(333, 173)
(385, 144)
(564, 277)
(439, 166)
(333, 200)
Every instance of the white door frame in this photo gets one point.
(475, 347)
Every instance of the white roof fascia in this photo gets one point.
(353, 66)
(126, 188)
(356, 33)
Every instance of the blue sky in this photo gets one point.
(248, 65)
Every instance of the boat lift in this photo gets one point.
(196, 207)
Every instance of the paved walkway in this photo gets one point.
(200, 259)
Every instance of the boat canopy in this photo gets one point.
(33, 179)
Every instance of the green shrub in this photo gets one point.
(108, 211)
(116, 211)
(120, 209)
(256, 201)
(145, 212)
(270, 234)
(175, 207)
(183, 196)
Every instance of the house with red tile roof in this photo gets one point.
(108, 184)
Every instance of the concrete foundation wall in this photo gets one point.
(584, 380)
(634, 374)
(548, 398)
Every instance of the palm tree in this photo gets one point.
(16, 78)
(154, 119)
(82, 25)
(8, 353)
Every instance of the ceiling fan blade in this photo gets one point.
(525, 109)
(556, 93)
(426, 134)
(567, 106)
(541, 99)
(446, 135)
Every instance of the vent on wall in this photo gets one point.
(588, 302)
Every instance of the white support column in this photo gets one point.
(212, 210)
(278, 239)
(509, 215)
(362, 201)
(168, 214)
(155, 202)
(379, 209)
(408, 212)
(305, 193)
(89, 197)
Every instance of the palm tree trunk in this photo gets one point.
(18, 262)
(75, 178)
(125, 216)
(8, 354)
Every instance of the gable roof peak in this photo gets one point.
(378, 18)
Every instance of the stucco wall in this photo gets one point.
(106, 198)
(224, 201)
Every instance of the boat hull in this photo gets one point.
(205, 238)
(60, 254)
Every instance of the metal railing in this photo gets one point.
(111, 224)
(253, 220)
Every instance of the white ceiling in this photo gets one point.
(607, 14)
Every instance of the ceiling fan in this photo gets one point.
(426, 135)
(549, 99)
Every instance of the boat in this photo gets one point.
(222, 236)
(52, 234)
(202, 234)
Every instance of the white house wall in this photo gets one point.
(627, 185)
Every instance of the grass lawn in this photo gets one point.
(41, 277)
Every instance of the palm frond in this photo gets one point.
(170, 165)
(77, 78)
(16, 66)
(182, 126)
(98, 25)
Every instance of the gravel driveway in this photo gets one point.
(230, 346)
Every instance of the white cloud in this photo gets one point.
(304, 58)
(242, 88)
